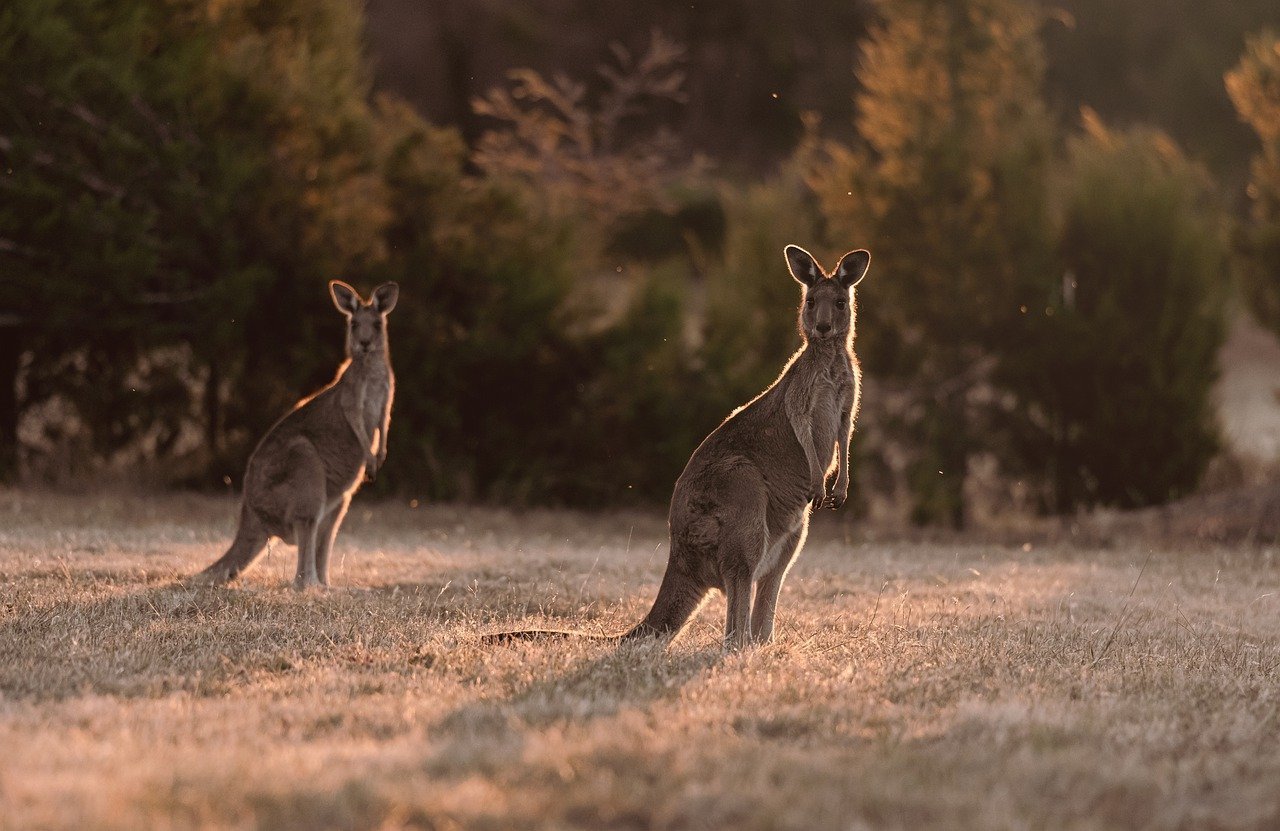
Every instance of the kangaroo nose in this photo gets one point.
(823, 328)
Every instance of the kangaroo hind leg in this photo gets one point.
(770, 583)
(326, 534)
(741, 548)
(303, 495)
(305, 532)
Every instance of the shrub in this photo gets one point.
(946, 189)
(1114, 367)
(1254, 86)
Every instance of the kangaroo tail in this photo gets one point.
(543, 634)
(678, 599)
(250, 539)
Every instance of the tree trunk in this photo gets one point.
(213, 413)
(10, 360)
(455, 51)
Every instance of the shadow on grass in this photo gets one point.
(105, 638)
(485, 737)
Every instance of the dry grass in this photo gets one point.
(924, 684)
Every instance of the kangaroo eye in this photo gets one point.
(808, 301)
(840, 304)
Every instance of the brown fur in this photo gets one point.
(740, 510)
(301, 477)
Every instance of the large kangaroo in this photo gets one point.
(740, 510)
(302, 475)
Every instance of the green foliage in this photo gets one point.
(645, 410)
(182, 175)
(701, 336)
(255, 166)
(582, 302)
(1254, 86)
(947, 188)
(585, 156)
(480, 337)
(1157, 62)
(79, 208)
(751, 326)
(1115, 368)
(1105, 401)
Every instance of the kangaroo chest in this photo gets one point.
(825, 411)
(825, 398)
(375, 404)
(369, 390)
(377, 398)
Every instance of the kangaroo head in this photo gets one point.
(366, 320)
(827, 304)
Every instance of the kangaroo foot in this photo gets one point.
(212, 576)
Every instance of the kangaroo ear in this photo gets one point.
(804, 268)
(853, 267)
(385, 296)
(344, 297)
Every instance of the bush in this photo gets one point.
(480, 338)
(168, 272)
(1114, 368)
(188, 176)
(751, 301)
(946, 189)
(1254, 86)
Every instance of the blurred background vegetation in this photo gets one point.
(585, 204)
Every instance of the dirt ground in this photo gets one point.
(942, 685)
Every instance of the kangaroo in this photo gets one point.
(302, 475)
(740, 510)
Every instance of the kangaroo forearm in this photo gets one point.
(846, 435)
(817, 472)
(382, 434)
(804, 434)
(363, 434)
(816, 469)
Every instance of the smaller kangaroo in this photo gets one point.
(740, 510)
(301, 477)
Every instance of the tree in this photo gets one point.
(483, 323)
(1157, 62)
(947, 188)
(589, 159)
(78, 222)
(184, 176)
(1254, 87)
(1114, 370)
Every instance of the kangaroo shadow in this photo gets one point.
(631, 675)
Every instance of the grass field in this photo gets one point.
(952, 685)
